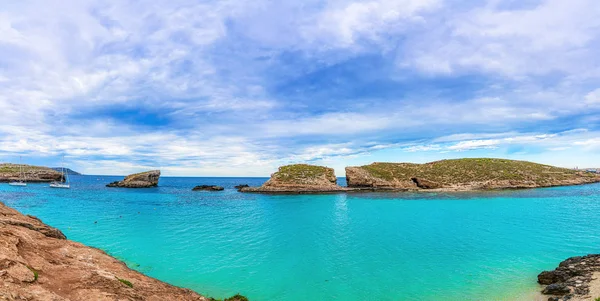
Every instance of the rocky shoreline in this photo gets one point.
(440, 176)
(37, 262)
(577, 278)
(33, 174)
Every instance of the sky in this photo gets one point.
(238, 88)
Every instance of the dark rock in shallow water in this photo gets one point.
(572, 277)
(138, 180)
(208, 188)
(556, 289)
(239, 187)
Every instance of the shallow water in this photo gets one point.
(365, 246)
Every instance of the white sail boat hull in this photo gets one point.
(17, 184)
(60, 185)
(64, 183)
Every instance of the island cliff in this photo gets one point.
(464, 174)
(37, 262)
(139, 180)
(299, 178)
(11, 172)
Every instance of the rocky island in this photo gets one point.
(464, 175)
(139, 180)
(11, 172)
(577, 278)
(445, 175)
(37, 262)
(299, 178)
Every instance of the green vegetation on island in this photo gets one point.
(471, 173)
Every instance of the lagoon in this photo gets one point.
(356, 246)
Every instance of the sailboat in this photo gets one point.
(64, 181)
(21, 181)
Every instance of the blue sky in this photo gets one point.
(237, 88)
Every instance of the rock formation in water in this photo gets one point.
(12, 172)
(138, 180)
(241, 186)
(299, 178)
(464, 174)
(572, 279)
(37, 262)
(208, 188)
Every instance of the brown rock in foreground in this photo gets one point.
(37, 262)
(299, 178)
(139, 180)
(464, 174)
(12, 172)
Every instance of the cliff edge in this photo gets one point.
(464, 174)
(139, 180)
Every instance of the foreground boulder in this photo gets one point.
(572, 278)
(139, 180)
(12, 172)
(299, 178)
(37, 262)
(208, 188)
(464, 174)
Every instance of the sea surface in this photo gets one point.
(357, 246)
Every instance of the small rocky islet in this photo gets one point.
(208, 188)
(145, 179)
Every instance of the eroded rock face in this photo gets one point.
(359, 177)
(208, 188)
(37, 266)
(139, 180)
(298, 178)
(571, 278)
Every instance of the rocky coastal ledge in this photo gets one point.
(577, 278)
(299, 178)
(12, 172)
(37, 262)
(139, 180)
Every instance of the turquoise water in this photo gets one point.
(376, 246)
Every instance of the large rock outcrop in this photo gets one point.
(572, 279)
(299, 178)
(464, 174)
(139, 180)
(37, 262)
(12, 172)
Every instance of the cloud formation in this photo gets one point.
(237, 88)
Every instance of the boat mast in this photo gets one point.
(21, 169)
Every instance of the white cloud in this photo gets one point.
(474, 144)
(554, 36)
